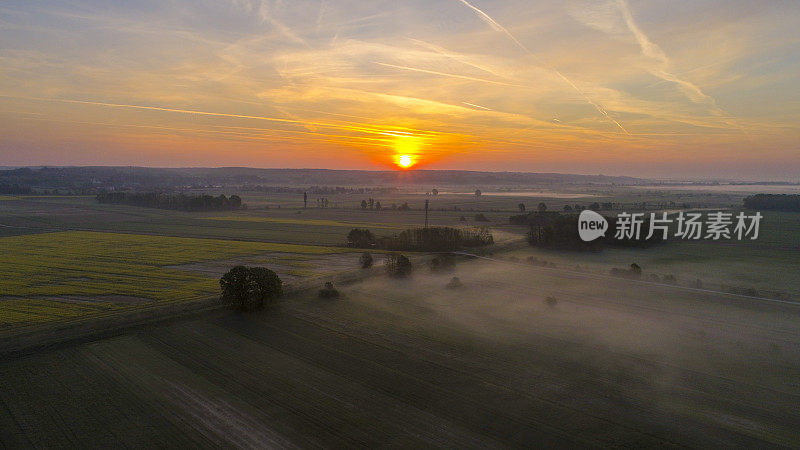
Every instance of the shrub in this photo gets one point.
(480, 217)
(328, 291)
(366, 260)
(250, 288)
(670, 279)
(442, 263)
(398, 265)
(634, 272)
(454, 283)
(551, 301)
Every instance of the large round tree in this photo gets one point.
(250, 288)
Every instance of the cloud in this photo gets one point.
(497, 27)
(654, 52)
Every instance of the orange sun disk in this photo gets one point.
(405, 161)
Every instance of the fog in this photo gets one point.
(658, 337)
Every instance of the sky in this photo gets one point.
(669, 89)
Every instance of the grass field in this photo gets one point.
(318, 222)
(768, 264)
(75, 273)
(413, 365)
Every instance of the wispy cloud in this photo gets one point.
(497, 27)
(654, 52)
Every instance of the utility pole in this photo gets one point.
(426, 213)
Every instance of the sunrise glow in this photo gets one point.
(582, 86)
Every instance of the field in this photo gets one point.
(606, 362)
(767, 264)
(73, 274)
(416, 365)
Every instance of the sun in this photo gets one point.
(405, 161)
(407, 149)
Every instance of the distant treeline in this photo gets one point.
(83, 179)
(321, 190)
(181, 202)
(560, 231)
(15, 188)
(776, 202)
(432, 239)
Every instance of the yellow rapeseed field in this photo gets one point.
(69, 274)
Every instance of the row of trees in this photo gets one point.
(432, 239)
(438, 239)
(776, 202)
(560, 231)
(371, 204)
(183, 202)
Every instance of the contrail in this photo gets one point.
(653, 51)
(451, 75)
(350, 127)
(226, 130)
(497, 27)
(477, 106)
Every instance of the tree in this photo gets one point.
(366, 260)
(435, 191)
(360, 238)
(250, 288)
(363, 204)
(521, 207)
(371, 202)
(567, 208)
(235, 202)
(378, 206)
(398, 266)
(305, 199)
(477, 192)
(442, 263)
(328, 291)
(594, 206)
(542, 207)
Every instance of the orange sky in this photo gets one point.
(701, 89)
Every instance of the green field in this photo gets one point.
(76, 273)
(413, 365)
(768, 264)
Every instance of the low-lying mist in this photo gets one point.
(605, 325)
